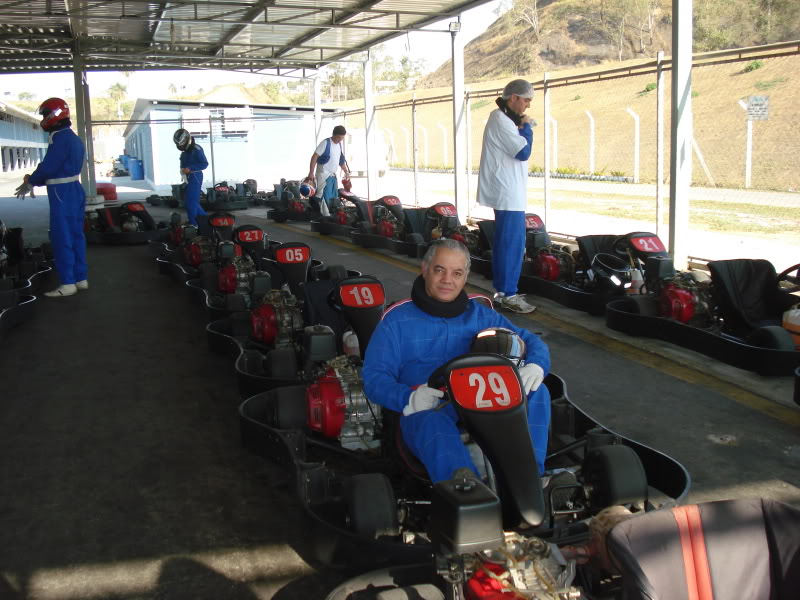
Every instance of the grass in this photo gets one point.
(767, 85)
(753, 66)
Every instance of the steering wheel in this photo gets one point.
(785, 277)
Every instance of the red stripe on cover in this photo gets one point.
(693, 548)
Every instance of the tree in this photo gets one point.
(527, 13)
(117, 92)
(25, 96)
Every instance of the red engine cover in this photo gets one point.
(264, 324)
(341, 217)
(677, 303)
(194, 254)
(226, 279)
(483, 587)
(298, 207)
(546, 266)
(176, 236)
(385, 228)
(459, 238)
(325, 404)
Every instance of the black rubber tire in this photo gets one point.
(647, 306)
(616, 474)
(288, 409)
(337, 272)
(371, 505)
(209, 277)
(416, 238)
(421, 591)
(364, 227)
(282, 363)
(487, 255)
(772, 337)
(279, 216)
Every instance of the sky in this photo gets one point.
(434, 48)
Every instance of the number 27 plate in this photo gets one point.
(486, 388)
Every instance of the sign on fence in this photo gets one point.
(758, 108)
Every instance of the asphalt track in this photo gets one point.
(122, 472)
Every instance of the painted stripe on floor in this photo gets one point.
(655, 361)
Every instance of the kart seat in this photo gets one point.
(726, 550)
(746, 294)
(591, 245)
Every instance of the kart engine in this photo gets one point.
(553, 263)
(523, 568)
(130, 222)
(277, 321)
(686, 298)
(387, 225)
(468, 237)
(236, 276)
(346, 215)
(297, 206)
(338, 408)
(201, 249)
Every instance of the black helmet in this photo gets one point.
(499, 340)
(182, 139)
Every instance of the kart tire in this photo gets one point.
(288, 408)
(371, 505)
(772, 337)
(616, 474)
(646, 306)
(422, 591)
(208, 277)
(416, 238)
(337, 272)
(282, 362)
(487, 255)
(364, 227)
(279, 216)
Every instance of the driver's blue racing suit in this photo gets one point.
(408, 345)
(60, 171)
(195, 160)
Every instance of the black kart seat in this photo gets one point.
(746, 294)
(591, 245)
(726, 550)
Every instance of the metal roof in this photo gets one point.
(270, 36)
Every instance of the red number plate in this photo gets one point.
(136, 207)
(298, 254)
(486, 388)
(533, 222)
(446, 210)
(391, 200)
(221, 222)
(250, 235)
(362, 295)
(649, 243)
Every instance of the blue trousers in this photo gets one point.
(433, 436)
(330, 192)
(508, 250)
(67, 213)
(191, 197)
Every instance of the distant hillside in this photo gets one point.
(559, 34)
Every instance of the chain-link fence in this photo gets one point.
(602, 151)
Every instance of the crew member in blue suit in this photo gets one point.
(415, 337)
(193, 162)
(60, 171)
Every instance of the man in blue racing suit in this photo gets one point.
(193, 162)
(417, 336)
(60, 171)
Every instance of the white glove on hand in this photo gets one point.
(532, 376)
(422, 398)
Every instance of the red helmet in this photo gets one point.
(52, 110)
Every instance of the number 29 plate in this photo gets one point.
(491, 388)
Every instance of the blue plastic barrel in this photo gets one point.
(136, 169)
(124, 158)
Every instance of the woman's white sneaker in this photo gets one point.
(67, 289)
(82, 285)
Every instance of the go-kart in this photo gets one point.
(391, 231)
(436, 222)
(733, 316)
(351, 213)
(288, 203)
(23, 271)
(372, 504)
(481, 251)
(725, 550)
(270, 341)
(604, 268)
(223, 197)
(128, 223)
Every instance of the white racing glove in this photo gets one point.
(422, 398)
(532, 376)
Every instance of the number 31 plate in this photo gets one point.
(486, 388)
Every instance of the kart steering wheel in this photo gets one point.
(785, 277)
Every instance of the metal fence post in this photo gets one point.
(635, 144)
(659, 142)
(443, 129)
(591, 142)
(468, 125)
(414, 143)
(211, 143)
(546, 97)
(748, 152)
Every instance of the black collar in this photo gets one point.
(508, 112)
(435, 307)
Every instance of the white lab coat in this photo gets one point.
(502, 179)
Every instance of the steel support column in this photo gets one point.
(83, 113)
(317, 110)
(460, 131)
(370, 122)
(680, 166)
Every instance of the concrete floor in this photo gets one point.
(122, 472)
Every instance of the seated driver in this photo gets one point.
(417, 336)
